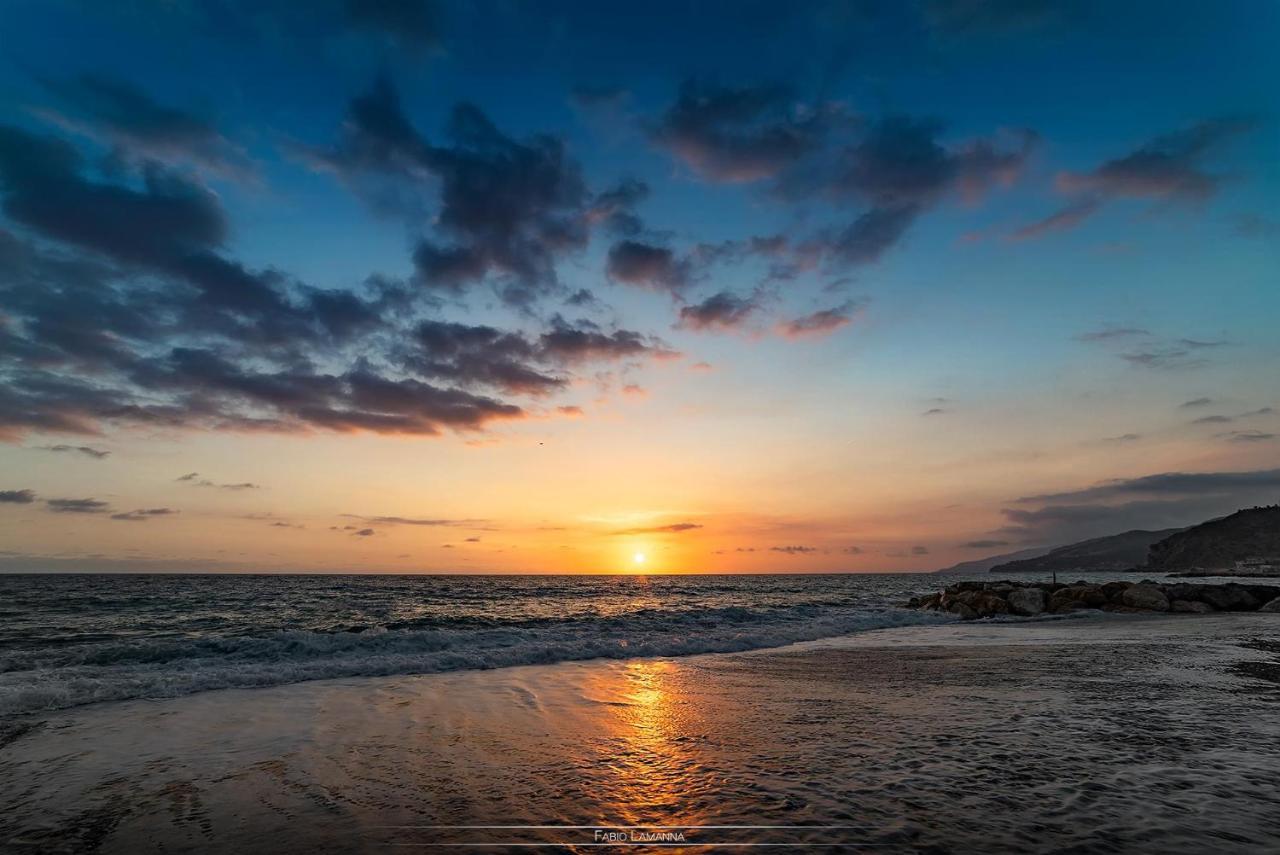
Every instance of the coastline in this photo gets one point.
(1147, 733)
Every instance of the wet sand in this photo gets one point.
(1120, 734)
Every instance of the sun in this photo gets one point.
(638, 558)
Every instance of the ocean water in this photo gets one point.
(69, 640)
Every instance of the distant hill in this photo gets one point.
(1101, 554)
(982, 565)
(1253, 533)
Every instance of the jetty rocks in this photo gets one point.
(972, 600)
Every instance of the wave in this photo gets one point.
(57, 677)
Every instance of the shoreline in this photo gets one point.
(947, 736)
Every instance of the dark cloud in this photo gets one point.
(568, 344)
(793, 550)
(1167, 484)
(424, 521)
(722, 310)
(1179, 354)
(614, 209)
(742, 134)
(364, 532)
(1166, 168)
(853, 550)
(86, 450)
(194, 480)
(820, 323)
(498, 206)
(17, 497)
(985, 544)
(919, 550)
(648, 266)
(143, 514)
(1123, 438)
(1212, 420)
(1113, 334)
(76, 506)
(934, 411)
(1196, 402)
(674, 528)
(413, 24)
(1164, 500)
(471, 540)
(1249, 436)
(123, 115)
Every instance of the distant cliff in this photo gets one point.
(1102, 554)
(1253, 533)
(982, 565)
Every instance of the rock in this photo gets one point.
(1191, 607)
(1113, 590)
(964, 611)
(1273, 606)
(1145, 596)
(1084, 595)
(1026, 601)
(1228, 598)
(987, 604)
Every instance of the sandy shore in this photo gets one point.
(1156, 734)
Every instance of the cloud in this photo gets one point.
(17, 497)
(76, 506)
(88, 451)
(1113, 334)
(919, 550)
(364, 532)
(1179, 354)
(1163, 500)
(571, 344)
(657, 268)
(422, 521)
(194, 480)
(1212, 420)
(497, 206)
(471, 540)
(570, 411)
(117, 112)
(794, 550)
(735, 134)
(852, 550)
(1196, 402)
(673, 528)
(934, 411)
(721, 311)
(1060, 221)
(1249, 436)
(1165, 168)
(984, 544)
(820, 323)
(1123, 438)
(143, 514)
(1168, 484)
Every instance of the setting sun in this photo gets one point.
(638, 558)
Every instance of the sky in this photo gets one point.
(379, 286)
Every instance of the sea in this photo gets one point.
(70, 640)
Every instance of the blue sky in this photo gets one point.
(950, 251)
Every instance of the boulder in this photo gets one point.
(1113, 590)
(1082, 596)
(1273, 606)
(1148, 597)
(965, 611)
(1026, 601)
(987, 603)
(1228, 598)
(1191, 607)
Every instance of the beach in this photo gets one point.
(1089, 734)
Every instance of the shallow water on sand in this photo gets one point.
(1108, 735)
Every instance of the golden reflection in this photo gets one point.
(652, 764)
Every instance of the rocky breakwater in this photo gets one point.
(972, 600)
